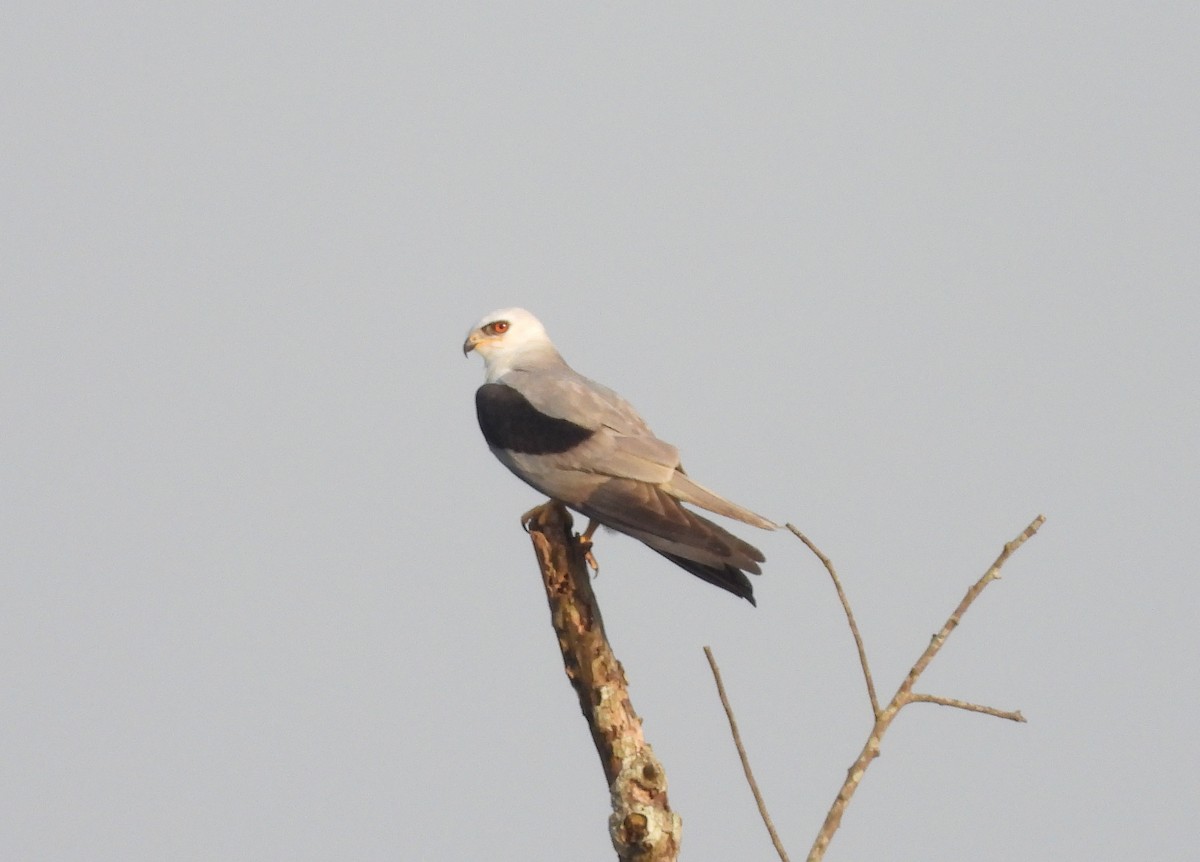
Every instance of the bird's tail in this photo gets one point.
(684, 489)
(726, 577)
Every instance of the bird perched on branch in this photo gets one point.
(583, 445)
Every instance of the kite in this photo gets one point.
(583, 445)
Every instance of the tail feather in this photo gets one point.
(726, 577)
(651, 514)
(683, 488)
(656, 516)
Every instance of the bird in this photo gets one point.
(583, 445)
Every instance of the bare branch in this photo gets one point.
(642, 825)
(935, 644)
(858, 641)
(1013, 715)
(741, 750)
(904, 696)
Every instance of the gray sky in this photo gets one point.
(904, 276)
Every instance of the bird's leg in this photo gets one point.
(529, 516)
(585, 542)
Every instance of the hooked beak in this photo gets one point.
(473, 339)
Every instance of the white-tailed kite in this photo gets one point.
(586, 447)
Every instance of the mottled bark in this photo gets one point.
(642, 825)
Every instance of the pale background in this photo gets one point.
(906, 275)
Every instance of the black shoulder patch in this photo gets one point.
(509, 421)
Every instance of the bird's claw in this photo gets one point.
(585, 544)
(529, 516)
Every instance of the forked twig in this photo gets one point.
(741, 750)
(883, 717)
(904, 696)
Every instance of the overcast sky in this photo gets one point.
(903, 275)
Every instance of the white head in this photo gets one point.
(505, 336)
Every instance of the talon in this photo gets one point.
(529, 516)
(585, 542)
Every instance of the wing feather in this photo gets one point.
(618, 473)
(648, 513)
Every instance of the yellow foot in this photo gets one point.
(585, 544)
(549, 510)
(585, 541)
(532, 515)
(528, 517)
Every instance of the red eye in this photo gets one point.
(497, 328)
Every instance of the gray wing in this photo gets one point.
(621, 445)
(584, 445)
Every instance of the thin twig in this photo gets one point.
(741, 750)
(905, 696)
(935, 644)
(858, 641)
(1011, 715)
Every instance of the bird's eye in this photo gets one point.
(498, 327)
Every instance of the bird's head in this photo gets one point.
(500, 336)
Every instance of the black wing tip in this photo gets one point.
(726, 577)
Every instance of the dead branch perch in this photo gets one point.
(642, 825)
